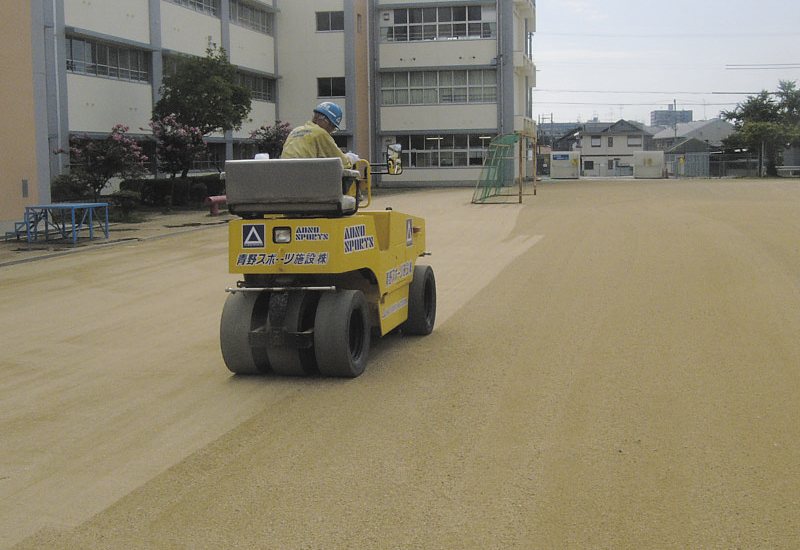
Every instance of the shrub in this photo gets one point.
(126, 201)
(190, 191)
(68, 188)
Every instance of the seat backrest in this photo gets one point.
(287, 186)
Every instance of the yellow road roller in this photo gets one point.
(320, 275)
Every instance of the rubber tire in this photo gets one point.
(342, 333)
(421, 303)
(243, 312)
(300, 316)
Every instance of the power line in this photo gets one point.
(702, 35)
(626, 104)
(639, 92)
(762, 66)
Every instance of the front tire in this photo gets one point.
(421, 302)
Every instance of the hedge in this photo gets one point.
(169, 192)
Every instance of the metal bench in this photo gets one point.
(298, 187)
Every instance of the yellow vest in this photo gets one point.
(312, 141)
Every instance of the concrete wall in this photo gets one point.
(306, 54)
(128, 19)
(18, 140)
(97, 104)
(187, 31)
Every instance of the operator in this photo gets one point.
(313, 139)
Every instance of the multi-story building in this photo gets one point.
(670, 117)
(440, 77)
(448, 77)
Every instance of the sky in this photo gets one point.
(615, 59)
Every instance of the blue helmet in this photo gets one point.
(331, 111)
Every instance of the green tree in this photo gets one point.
(96, 161)
(789, 104)
(270, 139)
(767, 123)
(203, 92)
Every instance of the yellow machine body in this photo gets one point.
(373, 251)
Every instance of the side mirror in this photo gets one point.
(395, 165)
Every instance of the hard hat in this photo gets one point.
(331, 111)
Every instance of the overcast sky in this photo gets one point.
(616, 59)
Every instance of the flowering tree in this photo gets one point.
(96, 161)
(270, 139)
(178, 145)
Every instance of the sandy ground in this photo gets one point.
(615, 365)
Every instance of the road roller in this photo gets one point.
(321, 275)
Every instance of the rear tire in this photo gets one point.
(243, 312)
(421, 302)
(342, 333)
(299, 317)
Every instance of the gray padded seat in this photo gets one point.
(302, 187)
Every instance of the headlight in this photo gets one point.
(281, 235)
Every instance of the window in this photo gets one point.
(439, 23)
(596, 141)
(443, 150)
(588, 165)
(634, 141)
(107, 60)
(610, 142)
(610, 164)
(436, 87)
(331, 87)
(252, 17)
(330, 21)
(210, 7)
(262, 88)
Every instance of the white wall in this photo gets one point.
(305, 55)
(462, 177)
(261, 114)
(418, 118)
(97, 104)
(427, 54)
(187, 31)
(252, 49)
(127, 19)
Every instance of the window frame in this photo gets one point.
(459, 22)
(97, 58)
(443, 150)
(208, 7)
(250, 16)
(330, 16)
(329, 84)
(635, 140)
(438, 87)
(262, 88)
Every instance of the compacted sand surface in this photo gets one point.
(616, 365)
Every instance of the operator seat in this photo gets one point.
(298, 187)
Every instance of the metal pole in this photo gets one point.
(521, 161)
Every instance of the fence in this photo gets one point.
(711, 165)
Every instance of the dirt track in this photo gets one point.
(615, 365)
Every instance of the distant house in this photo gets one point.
(689, 148)
(710, 131)
(607, 147)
